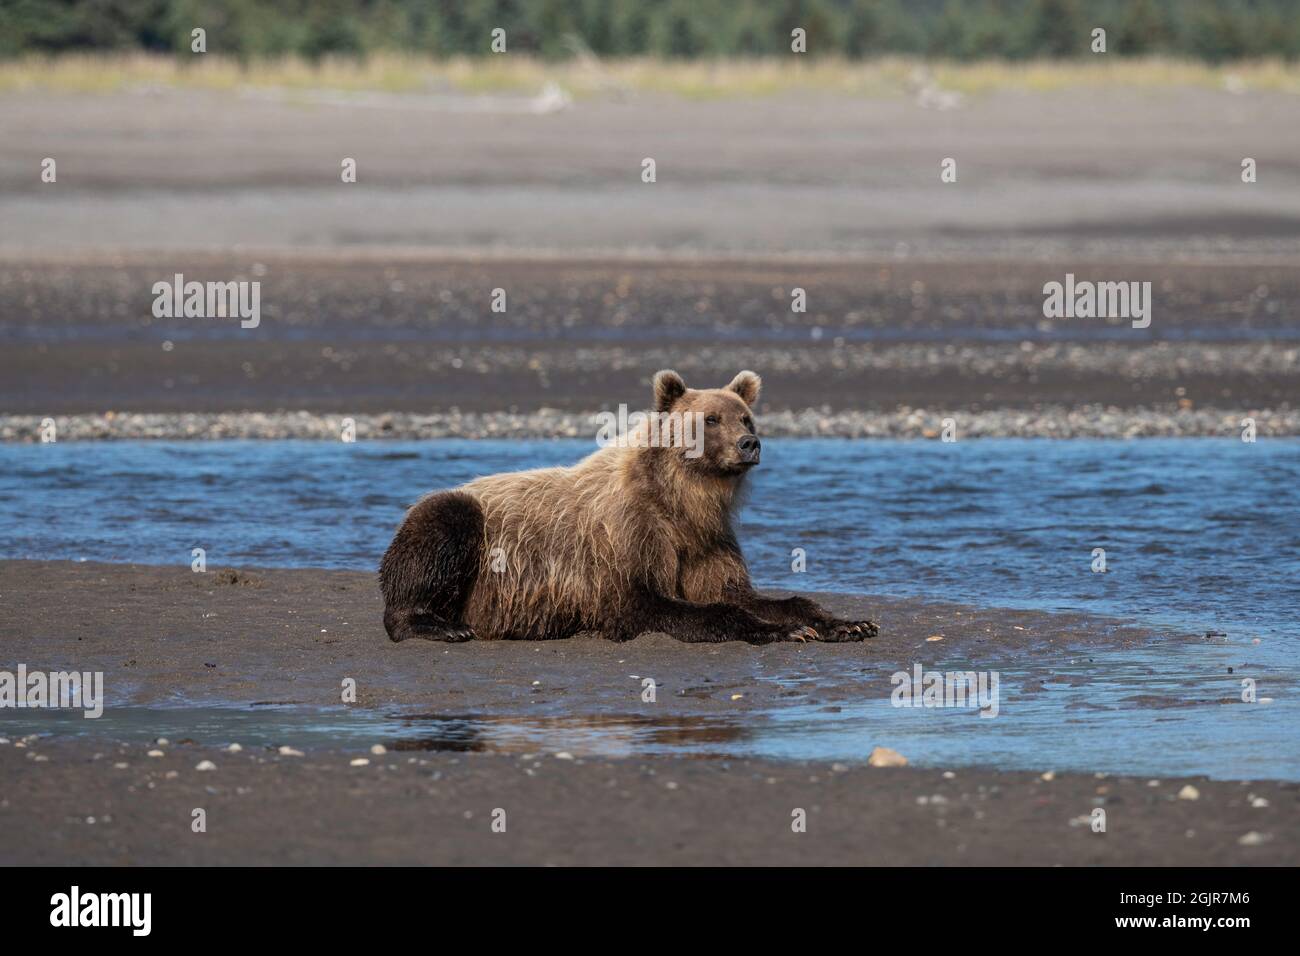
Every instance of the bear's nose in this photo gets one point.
(749, 447)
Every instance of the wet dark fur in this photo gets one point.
(429, 569)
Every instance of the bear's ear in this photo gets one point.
(747, 385)
(668, 388)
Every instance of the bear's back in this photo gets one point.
(562, 544)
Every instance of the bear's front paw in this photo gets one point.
(839, 632)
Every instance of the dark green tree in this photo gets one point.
(1056, 29)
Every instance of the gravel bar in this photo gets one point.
(1086, 421)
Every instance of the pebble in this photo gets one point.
(1253, 838)
(1189, 793)
(378, 749)
(564, 755)
(205, 765)
(290, 752)
(1049, 776)
(156, 753)
(234, 748)
(885, 757)
(359, 762)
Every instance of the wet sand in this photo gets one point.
(291, 636)
(170, 636)
(77, 807)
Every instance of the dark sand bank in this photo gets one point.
(169, 637)
(77, 806)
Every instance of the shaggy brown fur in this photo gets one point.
(631, 539)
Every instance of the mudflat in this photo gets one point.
(170, 638)
(370, 334)
(376, 295)
(376, 303)
(96, 803)
(292, 635)
(1151, 172)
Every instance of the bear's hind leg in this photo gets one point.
(404, 624)
(428, 572)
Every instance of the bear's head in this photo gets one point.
(719, 438)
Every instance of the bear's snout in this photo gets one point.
(750, 448)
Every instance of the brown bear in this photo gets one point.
(636, 537)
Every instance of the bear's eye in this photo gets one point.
(711, 420)
(748, 422)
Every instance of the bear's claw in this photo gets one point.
(796, 633)
(845, 631)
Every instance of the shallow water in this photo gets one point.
(1200, 534)
(1166, 710)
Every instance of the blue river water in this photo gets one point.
(1199, 535)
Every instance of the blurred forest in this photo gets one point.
(1208, 30)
